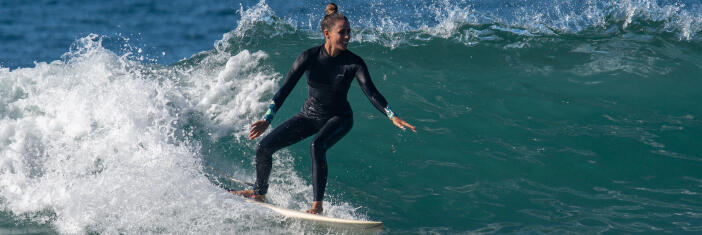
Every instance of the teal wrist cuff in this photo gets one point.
(389, 112)
(270, 113)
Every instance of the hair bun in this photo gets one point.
(331, 9)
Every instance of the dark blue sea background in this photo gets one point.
(533, 117)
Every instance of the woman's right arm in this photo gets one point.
(298, 68)
(296, 71)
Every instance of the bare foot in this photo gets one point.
(249, 194)
(316, 208)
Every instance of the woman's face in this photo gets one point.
(339, 35)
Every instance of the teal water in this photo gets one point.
(561, 135)
(521, 129)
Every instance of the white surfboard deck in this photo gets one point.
(301, 215)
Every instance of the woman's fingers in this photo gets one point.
(402, 124)
(398, 125)
(257, 129)
(414, 129)
(254, 134)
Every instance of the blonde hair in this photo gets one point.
(331, 16)
(331, 9)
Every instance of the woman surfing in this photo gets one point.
(330, 70)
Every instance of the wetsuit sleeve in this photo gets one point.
(298, 68)
(369, 89)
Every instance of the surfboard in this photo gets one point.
(318, 219)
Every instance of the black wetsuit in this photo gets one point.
(326, 111)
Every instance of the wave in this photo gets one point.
(108, 143)
(99, 142)
(393, 24)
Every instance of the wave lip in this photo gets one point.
(413, 23)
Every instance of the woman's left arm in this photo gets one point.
(377, 99)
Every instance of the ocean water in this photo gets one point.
(533, 117)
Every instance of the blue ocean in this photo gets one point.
(533, 116)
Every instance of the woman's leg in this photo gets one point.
(332, 131)
(289, 132)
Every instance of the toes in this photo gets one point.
(313, 211)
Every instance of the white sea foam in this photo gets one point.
(392, 24)
(558, 17)
(232, 99)
(250, 22)
(89, 144)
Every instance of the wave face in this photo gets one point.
(533, 116)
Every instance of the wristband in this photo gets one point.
(270, 113)
(389, 112)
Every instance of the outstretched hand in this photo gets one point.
(257, 129)
(397, 121)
